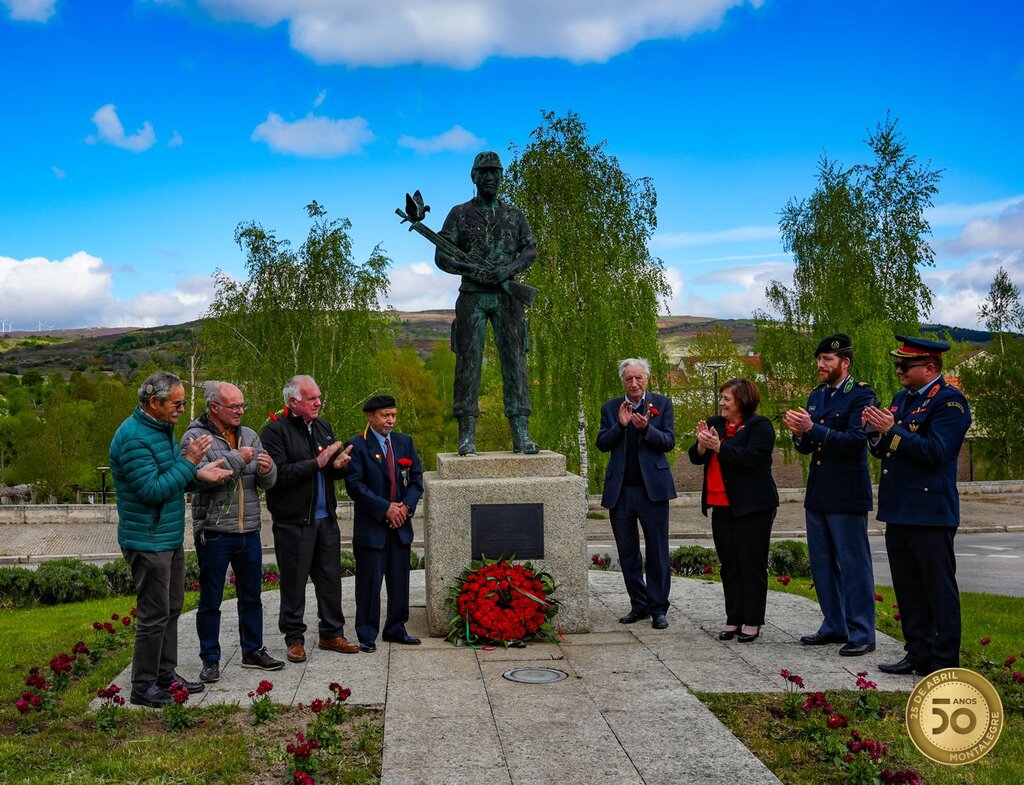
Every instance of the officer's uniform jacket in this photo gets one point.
(838, 479)
(919, 457)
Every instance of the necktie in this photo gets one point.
(390, 458)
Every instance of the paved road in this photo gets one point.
(992, 563)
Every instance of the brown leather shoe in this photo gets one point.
(296, 653)
(339, 644)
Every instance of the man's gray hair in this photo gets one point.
(211, 392)
(634, 361)
(293, 389)
(158, 384)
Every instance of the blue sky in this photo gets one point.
(136, 134)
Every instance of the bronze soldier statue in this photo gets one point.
(487, 241)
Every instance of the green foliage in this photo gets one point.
(314, 311)
(600, 288)
(789, 557)
(18, 587)
(191, 568)
(859, 243)
(70, 580)
(119, 577)
(693, 560)
(348, 563)
(990, 381)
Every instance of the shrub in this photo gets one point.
(18, 587)
(789, 557)
(417, 562)
(693, 559)
(191, 568)
(70, 580)
(119, 577)
(348, 564)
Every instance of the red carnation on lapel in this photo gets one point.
(405, 463)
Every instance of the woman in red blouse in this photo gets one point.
(736, 452)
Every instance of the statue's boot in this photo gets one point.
(467, 436)
(521, 441)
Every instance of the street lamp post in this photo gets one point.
(103, 482)
(714, 369)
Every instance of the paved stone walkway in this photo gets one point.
(625, 714)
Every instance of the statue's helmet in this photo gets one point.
(488, 159)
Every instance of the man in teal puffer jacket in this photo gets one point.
(151, 476)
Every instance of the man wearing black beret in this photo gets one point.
(918, 439)
(838, 499)
(385, 482)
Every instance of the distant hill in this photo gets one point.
(122, 349)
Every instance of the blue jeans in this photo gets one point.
(245, 555)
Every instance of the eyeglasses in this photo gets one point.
(235, 407)
(905, 365)
(177, 404)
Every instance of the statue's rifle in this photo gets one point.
(466, 264)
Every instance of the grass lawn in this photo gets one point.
(65, 745)
(795, 744)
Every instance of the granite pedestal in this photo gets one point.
(506, 478)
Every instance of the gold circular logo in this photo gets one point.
(954, 716)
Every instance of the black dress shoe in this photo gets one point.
(634, 616)
(855, 649)
(367, 648)
(176, 678)
(408, 640)
(901, 668)
(659, 621)
(747, 637)
(727, 635)
(153, 696)
(823, 638)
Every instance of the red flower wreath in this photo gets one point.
(501, 602)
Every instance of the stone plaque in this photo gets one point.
(507, 530)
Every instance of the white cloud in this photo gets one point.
(59, 173)
(957, 292)
(455, 138)
(463, 33)
(314, 137)
(30, 10)
(110, 130)
(1004, 231)
(77, 292)
(175, 140)
(65, 293)
(321, 97)
(955, 214)
(737, 234)
(729, 292)
(422, 287)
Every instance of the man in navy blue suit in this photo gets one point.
(385, 482)
(838, 499)
(638, 429)
(918, 439)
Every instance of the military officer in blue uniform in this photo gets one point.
(918, 439)
(838, 499)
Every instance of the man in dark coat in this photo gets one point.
(307, 541)
(918, 439)
(838, 499)
(638, 429)
(385, 482)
